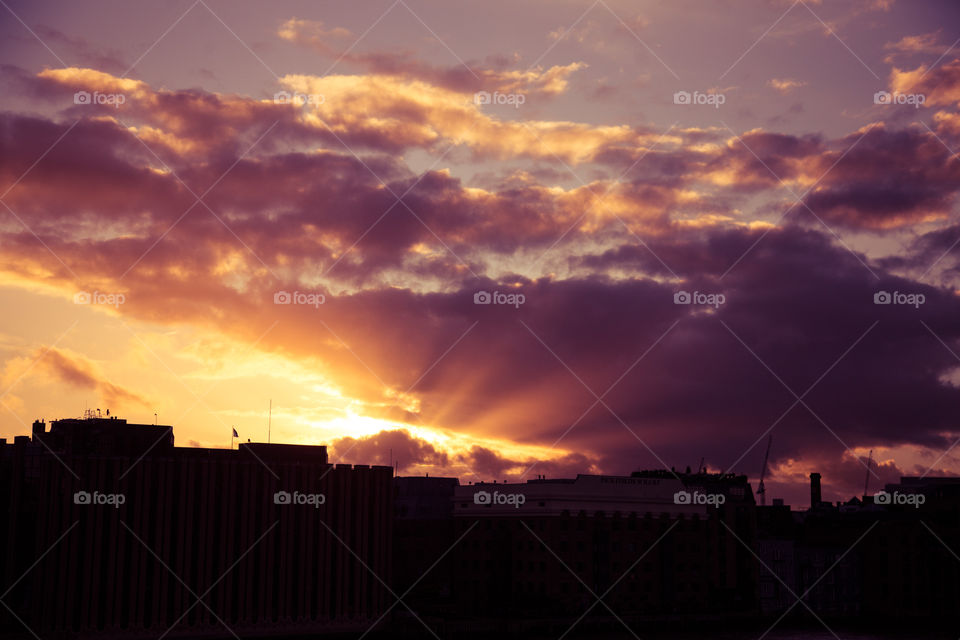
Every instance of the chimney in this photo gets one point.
(815, 494)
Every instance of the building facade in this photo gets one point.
(135, 535)
(654, 543)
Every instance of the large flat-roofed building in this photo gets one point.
(655, 542)
(640, 496)
(423, 530)
(131, 535)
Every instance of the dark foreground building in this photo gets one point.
(891, 557)
(113, 530)
(654, 545)
(661, 547)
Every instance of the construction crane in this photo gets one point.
(866, 481)
(761, 490)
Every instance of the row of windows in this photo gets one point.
(530, 587)
(645, 567)
(581, 546)
(616, 517)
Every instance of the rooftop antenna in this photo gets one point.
(761, 490)
(269, 420)
(700, 468)
(866, 481)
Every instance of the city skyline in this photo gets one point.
(114, 531)
(592, 237)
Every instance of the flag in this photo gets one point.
(235, 434)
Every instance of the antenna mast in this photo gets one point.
(866, 481)
(269, 420)
(762, 490)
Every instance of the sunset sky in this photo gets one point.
(149, 158)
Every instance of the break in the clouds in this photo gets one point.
(373, 183)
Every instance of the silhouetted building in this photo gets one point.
(423, 531)
(134, 535)
(655, 542)
(816, 494)
(777, 529)
(889, 557)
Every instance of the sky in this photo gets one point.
(492, 240)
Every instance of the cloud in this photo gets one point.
(299, 212)
(488, 464)
(408, 451)
(394, 113)
(82, 374)
(312, 32)
(923, 44)
(940, 85)
(465, 78)
(110, 60)
(786, 85)
(891, 178)
(384, 112)
(416, 455)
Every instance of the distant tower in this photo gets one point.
(815, 493)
